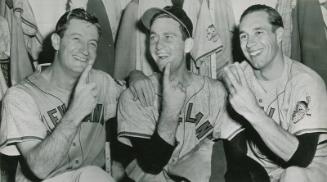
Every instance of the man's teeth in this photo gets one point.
(80, 58)
(162, 57)
(254, 53)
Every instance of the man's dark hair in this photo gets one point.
(274, 18)
(79, 14)
(181, 28)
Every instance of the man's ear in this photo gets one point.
(279, 34)
(188, 45)
(55, 41)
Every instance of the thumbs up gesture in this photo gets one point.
(84, 98)
(174, 93)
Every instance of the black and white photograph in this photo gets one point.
(163, 91)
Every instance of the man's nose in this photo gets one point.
(159, 43)
(84, 49)
(251, 42)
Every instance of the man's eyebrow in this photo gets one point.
(259, 28)
(256, 28)
(74, 33)
(170, 33)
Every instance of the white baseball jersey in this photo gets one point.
(202, 119)
(32, 109)
(296, 101)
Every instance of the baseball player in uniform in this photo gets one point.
(55, 118)
(284, 102)
(173, 138)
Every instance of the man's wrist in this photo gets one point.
(71, 119)
(256, 116)
(170, 114)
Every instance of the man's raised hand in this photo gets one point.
(241, 96)
(174, 93)
(84, 97)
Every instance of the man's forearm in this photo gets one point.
(167, 127)
(49, 154)
(279, 141)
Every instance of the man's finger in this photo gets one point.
(232, 79)
(241, 74)
(166, 74)
(141, 97)
(85, 74)
(149, 94)
(133, 91)
(227, 82)
(235, 72)
(152, 94)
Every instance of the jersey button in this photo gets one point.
(74, 144)
(76, 161)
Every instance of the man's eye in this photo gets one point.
(169, 37)
(152, 38)
(243, 37)
(259, 32)
(94, 45)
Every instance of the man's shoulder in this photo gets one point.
(18, 95)
(24, 86)
(302, 74)
(127, 95)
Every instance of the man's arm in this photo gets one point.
(278, 140)
(45, 156)
(172, 102)
(154, 153)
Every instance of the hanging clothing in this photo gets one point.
(4, 52)
(309, 43)
(4, 39)
(206, 40)
(114, 10)
(25, 38)
(20, 63)
(125, 52)
(105, 52)
(284, 7)
(323, 7)
(225, 24)
(32, 36)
